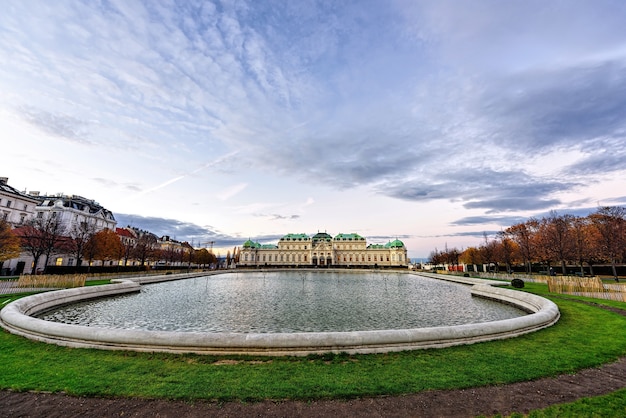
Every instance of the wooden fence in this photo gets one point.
(592, 287)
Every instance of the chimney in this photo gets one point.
(33, 193)
(4, 180)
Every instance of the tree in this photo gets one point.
(471, 256)
(41, 236)
(145, 247)
(583, 238)
(488, 252)
(507, 250)
(9, 243)
(524, 234)
(558, 239)
(79, 236)
(104, 245)
(610, 222)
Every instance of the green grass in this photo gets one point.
(97, 282)
(611, 405)
(585, 336)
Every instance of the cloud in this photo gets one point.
(179, 230)
(232, 191)
(130, 187)
(58, 125)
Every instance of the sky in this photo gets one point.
(434, 122)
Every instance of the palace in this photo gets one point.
(344, 250)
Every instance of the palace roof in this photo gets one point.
(349, 237)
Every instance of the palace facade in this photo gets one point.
(344, 250)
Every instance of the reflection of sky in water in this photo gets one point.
(288, 302)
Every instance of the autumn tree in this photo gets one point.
(471, 256)
(584, 237)
(104, 245)
(524, 235)
(507, 250)
(558, 239)
(9, 243)
(488, 252)
(228, 259)
(610, 222)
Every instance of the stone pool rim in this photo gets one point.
(17, 318)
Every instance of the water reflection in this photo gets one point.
(288, 302)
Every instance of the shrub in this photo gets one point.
(517, 283)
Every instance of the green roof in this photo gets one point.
(295, 237)
(251, 244)
(396, 243)
(322, 236)
(376, 246)
(349, 237)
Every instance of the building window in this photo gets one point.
(58, 261)
(5, 216)
(39, 215)
(8, 203)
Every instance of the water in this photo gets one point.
(288, 302)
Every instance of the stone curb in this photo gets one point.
(16, 318)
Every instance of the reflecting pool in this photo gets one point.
(285, 302)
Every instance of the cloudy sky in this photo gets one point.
(430, 121)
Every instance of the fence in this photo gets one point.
(586, 286)
(51, 281)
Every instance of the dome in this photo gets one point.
(395, 244)
(249, 244)
(322, 236)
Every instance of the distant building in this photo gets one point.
(73, 211)
(344, 250)
(15, 207)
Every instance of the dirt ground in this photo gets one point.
(519, 397)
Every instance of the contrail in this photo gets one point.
(175, 179)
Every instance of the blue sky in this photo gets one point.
(429, 121)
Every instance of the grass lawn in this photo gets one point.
(585, 336)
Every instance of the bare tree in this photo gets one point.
(79, 236)
(41, 237)
(145, 248)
